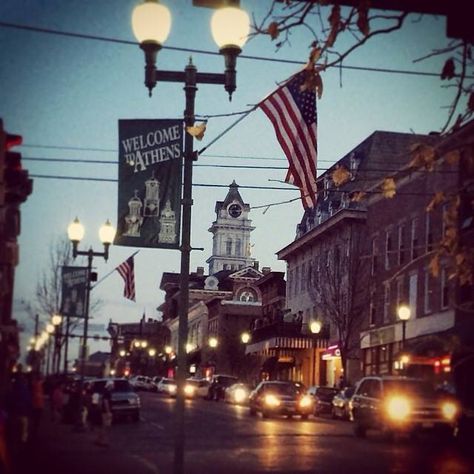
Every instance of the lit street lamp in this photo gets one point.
(75, 233)
(213, 342)
(245, 337)
(404, 314)
(151, 24)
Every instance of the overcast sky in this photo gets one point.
(69, 93)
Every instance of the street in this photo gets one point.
(224, 438)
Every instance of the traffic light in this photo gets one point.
(15, 185)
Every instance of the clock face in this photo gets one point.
(235, 210)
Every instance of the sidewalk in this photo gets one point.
(62, 449)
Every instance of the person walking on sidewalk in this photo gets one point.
(37, 404)
(100, 414)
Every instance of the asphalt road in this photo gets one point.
(221, 438)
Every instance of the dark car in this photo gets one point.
(322, 399)
(280, 398)
(218, 385)
(124, 400)
(340, 403)
(401, 405)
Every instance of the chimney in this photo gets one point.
(200, 271)
(266, 270)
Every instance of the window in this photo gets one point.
(428, 233)
(228, 247)
(401, 244)
(413, 294)
(444, 288)
(413, 239)
(372, 312)
(297, 280)
(374, 256)
(388, 249)
(303, 278)
(238, 247)
(427, 293)
(386, 303)
(375, 391)
(399, 291)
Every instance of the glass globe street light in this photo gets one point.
(75, 233)
(151, 42)
(56, 319)
(245, 337)
(213, 342)
(315, 327)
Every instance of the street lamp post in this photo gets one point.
(151, 24)
(76, 233)
(404, 315)
(315, 327)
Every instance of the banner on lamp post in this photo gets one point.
(73, 294)
(149, 184)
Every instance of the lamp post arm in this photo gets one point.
(180, 76)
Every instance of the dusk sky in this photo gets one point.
(65, 95)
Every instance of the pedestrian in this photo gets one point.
(37, 404)
(100, 414)
(18, 407)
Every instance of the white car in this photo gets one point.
(167, 387)
(196, 388)
(141, 382)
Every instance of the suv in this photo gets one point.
(401, 405)
(218, 385)
(322, 399)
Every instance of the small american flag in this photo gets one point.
(126, 271)
(292, 112)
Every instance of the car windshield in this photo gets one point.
(326, 392)
(412, 387)
(122, 386)
(168, 382)
(281, 388)
(226, 381)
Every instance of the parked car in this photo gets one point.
(167, 386)
(196, 388)
(155, 381)
(280, 398)
(124, 400)
(401, 405)
(238, 393)
(340, 403)
(218, 385)
(141, 382)
(322, 399)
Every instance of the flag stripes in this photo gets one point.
(127, 272)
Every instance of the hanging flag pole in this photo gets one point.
(112, 271)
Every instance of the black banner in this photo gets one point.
(149, 190)
(73, 295)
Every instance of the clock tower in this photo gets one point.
(231, 234)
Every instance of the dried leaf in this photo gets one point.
(340, 176)
(273, 30)
(357, 196)
(437, 199)
(389, 188)
(448, 70)
(423, 156)
(434, 266)
(197, 131)
(452, 157)
(313, 81)
(314, 55)
(362, 17)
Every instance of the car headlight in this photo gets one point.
(172, 388)
(306, 401)
(398, 408)
(271, 401)
(240, 395)
(449, 410)
(189, 390)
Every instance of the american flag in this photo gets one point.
(292, 112)
(126, 271)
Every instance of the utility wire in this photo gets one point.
(205, 165)
(209, 185)
(212, 53)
